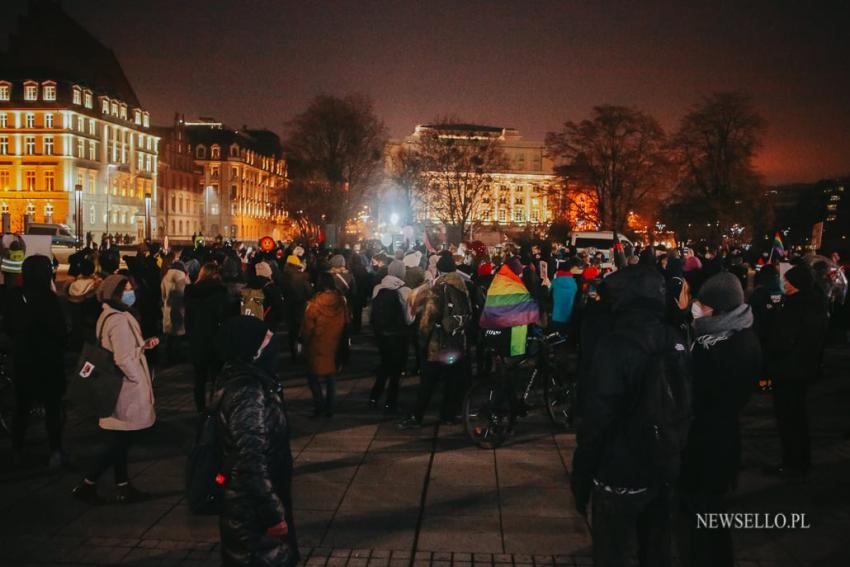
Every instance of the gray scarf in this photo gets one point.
(711, 330)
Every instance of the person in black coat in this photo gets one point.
(35, 321)
(796, 346)
(631, 500)
(256, 523)
(726, 365)
(207, 304)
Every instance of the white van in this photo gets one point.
(601, 241)
(59, 233)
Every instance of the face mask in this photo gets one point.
(128, 298)
(696, 311)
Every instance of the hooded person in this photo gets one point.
(173, 289)
(35, 321)
(83, 306)
(343, 279)
(414, 275)
(727, 363)
(296, 291)
(256, 524)
(629, 491)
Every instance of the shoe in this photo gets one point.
(410, 423)
(87, 493)
(129, 494)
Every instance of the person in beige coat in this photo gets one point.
(120, 334)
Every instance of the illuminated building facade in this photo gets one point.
(180, 207)
(243, 177)
(69, 119)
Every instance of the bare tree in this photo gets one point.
(622, 152)
(450, 168)
(335, 147)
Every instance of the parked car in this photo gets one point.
(599, 241)
(59, 233)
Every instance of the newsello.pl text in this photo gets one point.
(752, 521)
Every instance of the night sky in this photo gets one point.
(524, 63)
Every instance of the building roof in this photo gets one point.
(49, 44)
(465, 127)
(264, 142)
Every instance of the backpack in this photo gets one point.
(204, 467)
(252, 303)
(387, 315)
(663, 411)
(451, 328)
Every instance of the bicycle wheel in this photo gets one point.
(487, 414)
(559, 394)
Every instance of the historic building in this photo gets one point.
(180, 207)
(242, 179)
(71, 127)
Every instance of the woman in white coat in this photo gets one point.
(120, 334)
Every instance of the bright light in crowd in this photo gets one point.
(394, 218)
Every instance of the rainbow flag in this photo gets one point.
(777, 243)
(508, 303)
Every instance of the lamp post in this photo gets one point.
(147, 216)
(78, 214)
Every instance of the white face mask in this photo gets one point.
(696, 311)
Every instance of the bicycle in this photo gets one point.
(491, 406)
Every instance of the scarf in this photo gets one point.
(711, 330)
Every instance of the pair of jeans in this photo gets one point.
(629, 527)
(393, 352)
(323, 402)
(792, 418)
(114, 456)
(24, 401)
(452, 377)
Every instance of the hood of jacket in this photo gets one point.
(329, 302)
(389, 282)
(711, 330)
(175, 277)
(81, 288)
(454, 279)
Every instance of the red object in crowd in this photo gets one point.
(591, 273)
(267, 244)
(485, 269)
(220, 479)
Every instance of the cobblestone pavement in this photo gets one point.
(367, 494)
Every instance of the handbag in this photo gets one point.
(97, 381)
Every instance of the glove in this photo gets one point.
(278, 530)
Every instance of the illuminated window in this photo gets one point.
(29, 181)
(4, 146)
(30, 91)
(215, 153)
(88, 98)
(30, 145)
(92, 150)
(104, 105)
(77, 96)
(141, 162)
(214, 168)
(30, 208)
(123, 112)
(503, 215)
(48, 120)
(4, 180)
(4, 206)
(92, 127)
(48, 91)
(49, 181)
(81, 124)
(81, 149)
(137, 117)
(5, 91)
(114, 107)
(48, 145)
(30, 120)
(234, 151)
(519, 215)
(92, 214)
(146, 120)
(535, 215)
(201, 152)
(4, 121)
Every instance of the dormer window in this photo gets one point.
(104, 105)
(137, 117)
(215, 152)
(123, 112)
(146, 120)
(48, 90)
(5, 90)
(201, 152)
(87, 96)
(30, 90)
(114, 108)
(77, 95)
(234, 151)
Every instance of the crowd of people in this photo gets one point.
(719, 323)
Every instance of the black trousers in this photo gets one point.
(452, 377)
(632, 526)
(792, 418)
(393, 352)
(25, 399)
(205, 371)
(702, 546)
(114, 456)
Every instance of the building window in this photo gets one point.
(137, 117)
(213, 168)
(141, 162)
(4, 207)
(88, 98)
(4, 145)
(30, 145)
(92, 215)
(49, 92)
(535, 215)
(49, 180)
(5, 91)
(201, 152)
(123, 112)
(30, 91)
(215, 152)
(146, 119)
(81, 124)
(48, 145)
(4, 180)
(77, 96)
(234, 173)
(48, 120)
(92, 150)
(114, 107)
(30, 120)
(81, 149)
(29, 180)
(30, 208)
(234, 151)
(4, 121)
(519, 215)
(503, 215)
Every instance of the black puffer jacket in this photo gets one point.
(258, 492)
(798, 336)
(207, 304)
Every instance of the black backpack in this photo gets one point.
(387, 314)
(452, 326)
(664, 407)
(205, 472)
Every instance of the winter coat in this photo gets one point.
(324, 321)
(121, 335)
(254, 436)
(725, 374)
(345, 283)
(766, 304)
(84, 310)
(296, 290)
(207, 304)
(432, 313)
(564, 290)
(173, 288)
(414, 277)
(273, 303)
(36, 324)
(797, 339)
(396, 284)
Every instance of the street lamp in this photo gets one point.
(78, 207)
(147, 215)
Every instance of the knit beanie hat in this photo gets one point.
(446, 264)
(108, 287)
(397, 269)
(800, 276)
(722, 292)
(263, 270)
(337, 261)
(412, 259)
(692, 263)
